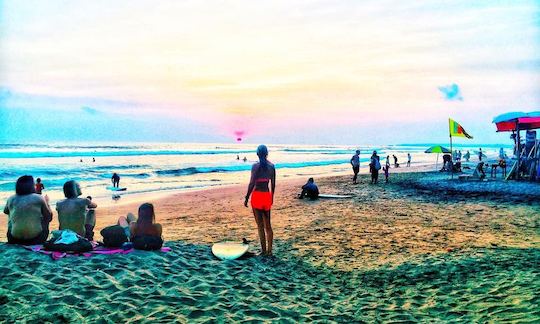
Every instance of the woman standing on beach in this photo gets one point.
(262, 174)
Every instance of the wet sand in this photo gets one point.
(404, 251)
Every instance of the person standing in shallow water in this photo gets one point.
(355, 162)
(39, 186)
(261, 188)
(115, 179)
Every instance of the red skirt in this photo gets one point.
(261, 200)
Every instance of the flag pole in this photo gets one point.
(451, 151)
(451, 158)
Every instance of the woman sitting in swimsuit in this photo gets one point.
(143, 231)
(262, 198)
(29, 214)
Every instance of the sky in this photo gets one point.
(318, 72)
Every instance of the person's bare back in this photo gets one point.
(72, 214)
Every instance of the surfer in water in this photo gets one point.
(261, 188)
(115, 179)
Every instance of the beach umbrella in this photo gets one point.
(513, 121)
(509, 116)
(437, 149)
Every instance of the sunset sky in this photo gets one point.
(336, 72)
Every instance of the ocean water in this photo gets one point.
(151, 167)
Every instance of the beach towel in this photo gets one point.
(97, 249)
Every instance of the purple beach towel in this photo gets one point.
(97, 250)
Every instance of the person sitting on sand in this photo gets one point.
(29, 214)
(310, 190)
(90, 222)
(72, 211)
(396, 164)
(479, 171)
(39, 186)
(263, 174)
(143, 231)
(115, 179)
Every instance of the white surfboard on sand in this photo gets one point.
(335, 196)
(229, 250)
(111, 188)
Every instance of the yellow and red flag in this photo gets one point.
(456, 130)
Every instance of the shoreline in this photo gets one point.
(132, 199)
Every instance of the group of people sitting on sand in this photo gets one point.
(30, 214)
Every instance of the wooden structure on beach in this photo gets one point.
(528, 154)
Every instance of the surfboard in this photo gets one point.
(229, 250)
(478, 152)
(335, 196)
(111, 188)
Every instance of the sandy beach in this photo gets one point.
(408, 250)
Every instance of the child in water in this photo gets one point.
(39, 186)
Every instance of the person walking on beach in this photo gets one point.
(29, 214)
(39, 186)
(467, 156)
(408, 159)
(374, 167)
(115, 179)
(72, 211)
(355, 162)
(386, 170)
(261, 189)
(388, 161)
(480, 155)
